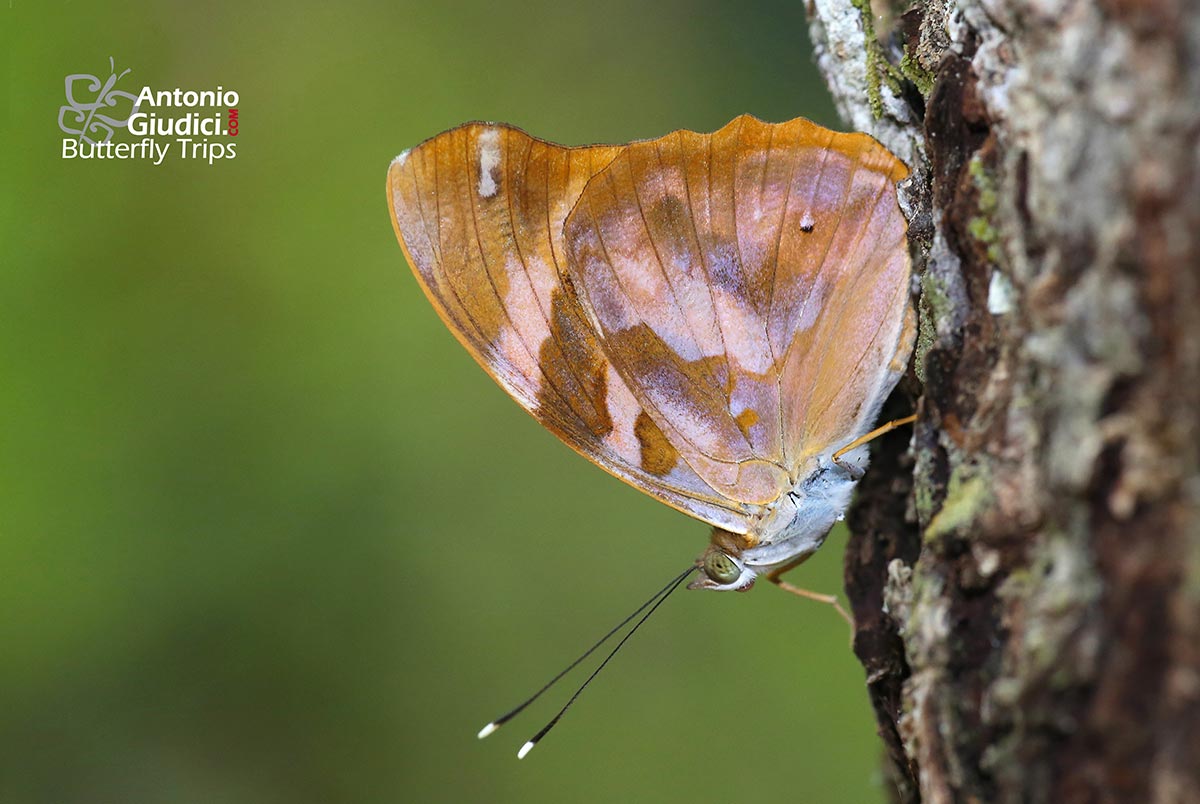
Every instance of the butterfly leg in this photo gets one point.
(854, 471)
(774, 577)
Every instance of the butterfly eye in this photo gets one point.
(720, 568)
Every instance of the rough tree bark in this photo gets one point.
(1026, 573)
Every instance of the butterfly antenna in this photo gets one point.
(500, 721)
(657, 600)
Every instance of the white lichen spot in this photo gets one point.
(987, 559)
(898, 592)
(489, 160)
(842, 56)
(1000, 294)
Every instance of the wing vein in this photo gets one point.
(854, 370)
(708, 287)
(770, 317)
(496, 291)
(637, 199)
(787, 352)
(437, 200)
(847, 296)
(634, 388)
(570, 366)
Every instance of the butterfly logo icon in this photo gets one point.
(95, 108)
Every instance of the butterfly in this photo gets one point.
(715, 319)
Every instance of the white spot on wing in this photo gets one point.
(402, 158)
(489, 159)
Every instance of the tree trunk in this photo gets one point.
(1026, 574)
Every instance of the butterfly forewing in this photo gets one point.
(479, 211)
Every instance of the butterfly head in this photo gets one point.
(721, 566)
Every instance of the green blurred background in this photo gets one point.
(267, 534)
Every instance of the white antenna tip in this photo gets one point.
(525, 749)
(488, 729)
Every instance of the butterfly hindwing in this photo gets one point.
(743, 281)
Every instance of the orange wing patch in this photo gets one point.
(658, 456)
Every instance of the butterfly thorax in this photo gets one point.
(793, 529)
